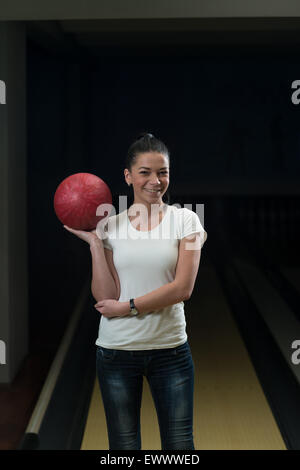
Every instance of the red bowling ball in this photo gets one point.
(77, 198)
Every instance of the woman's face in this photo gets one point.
(149, 177)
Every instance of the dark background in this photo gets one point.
(225, 113)
(217, 92)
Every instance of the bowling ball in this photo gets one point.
(76, 200)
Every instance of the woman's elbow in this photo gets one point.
(186, 294)
(182, 291)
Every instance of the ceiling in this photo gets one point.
(160, 35)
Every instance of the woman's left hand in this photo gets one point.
(112, 308)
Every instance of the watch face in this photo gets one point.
(133, 310)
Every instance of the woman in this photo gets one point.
(142, 272)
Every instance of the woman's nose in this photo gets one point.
(155, 180)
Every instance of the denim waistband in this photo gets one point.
(144, 352)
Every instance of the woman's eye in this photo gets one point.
(146, 172)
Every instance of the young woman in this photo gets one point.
(142, 272)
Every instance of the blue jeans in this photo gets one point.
(170, 374)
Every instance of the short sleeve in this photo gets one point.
(190, 223)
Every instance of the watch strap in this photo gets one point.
(133, 308)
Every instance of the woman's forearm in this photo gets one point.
(168, 294)
(103, 285)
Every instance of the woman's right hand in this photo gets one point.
(88, 237)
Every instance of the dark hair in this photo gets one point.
(146, 142)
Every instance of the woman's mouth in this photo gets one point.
(153, 191)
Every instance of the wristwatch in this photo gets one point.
(133, 310)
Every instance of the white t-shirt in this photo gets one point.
(144, 262)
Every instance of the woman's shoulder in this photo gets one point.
(181, 211)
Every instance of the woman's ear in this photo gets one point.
(127, 177)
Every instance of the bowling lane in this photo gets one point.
(266, 235)
(230, 408)
(281, 321)
(276, 287)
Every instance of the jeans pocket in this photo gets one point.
(105, 354)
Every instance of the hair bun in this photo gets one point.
(145, 134)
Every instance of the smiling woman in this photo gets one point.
(142, 331)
